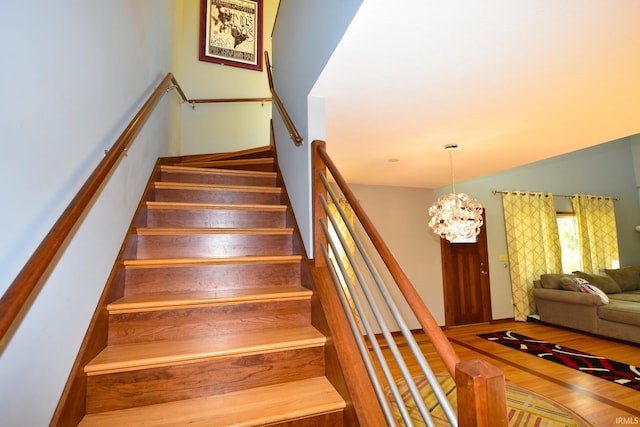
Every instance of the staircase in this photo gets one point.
(214, 325)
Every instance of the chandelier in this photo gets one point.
(455, 217)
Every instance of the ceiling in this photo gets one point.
(509, 82)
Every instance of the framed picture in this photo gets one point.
(231, 32)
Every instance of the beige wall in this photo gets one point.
(222, 127)
(400, 216)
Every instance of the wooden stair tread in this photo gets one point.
(157, 231)
(127, 357)
(191, 299)
(181, 262)
(234, 162)
(219, 187)
(185, 160)
(213, 171)
(253, 407)
(220, 206)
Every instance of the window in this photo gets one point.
(568, 231)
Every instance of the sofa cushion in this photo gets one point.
(631, 296)
(570, 284)
(621, 312)
(604, 282)
(552, 281)
(628, 278)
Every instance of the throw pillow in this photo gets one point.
(628, 278)
(569, 284)
(593, 290)
(552, 281)
(603, 282)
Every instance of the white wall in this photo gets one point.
(74, 74)
(305, 34)
(222, 127)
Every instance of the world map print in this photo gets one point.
(232, 30)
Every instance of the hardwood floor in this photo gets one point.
(601, 402)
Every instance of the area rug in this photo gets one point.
(611, 370)
(524, 408)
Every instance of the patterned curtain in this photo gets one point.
(596, 232)
(533, 244)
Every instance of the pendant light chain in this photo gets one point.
(455, 216)
(453, 179)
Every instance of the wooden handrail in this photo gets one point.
(295, 135)
(25, 282)
(428, 323)
(217, 100)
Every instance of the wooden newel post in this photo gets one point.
(482, 400)
(319, 215)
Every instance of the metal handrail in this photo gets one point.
(480, 386)
(389, 306)
(295, 135)
(428, 323)
(25, 282)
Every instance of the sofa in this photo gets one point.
(602, 304)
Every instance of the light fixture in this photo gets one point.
(455, 217)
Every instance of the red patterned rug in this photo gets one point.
(617, 372)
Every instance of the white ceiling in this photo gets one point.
(509, 81)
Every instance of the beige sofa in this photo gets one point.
(561, 302)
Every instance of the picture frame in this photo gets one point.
(231, 33)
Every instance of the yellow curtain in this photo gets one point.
(533, 244)
(597, 232)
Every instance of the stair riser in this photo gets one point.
(209, 277)
(163, 384)
(217, 179)
(212, 245)
(214, 218)
(216, 196)
(205, 321)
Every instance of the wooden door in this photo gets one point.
(467, 291)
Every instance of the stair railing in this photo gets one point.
(368, 305)
(193, 102)
(291, 127)
(25, 282)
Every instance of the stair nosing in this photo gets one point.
(155, 354)
(145, 303)
(220, 187)
(247, 161)
(215, 206)
(214, 171)
(157, 231)
(182, 262)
